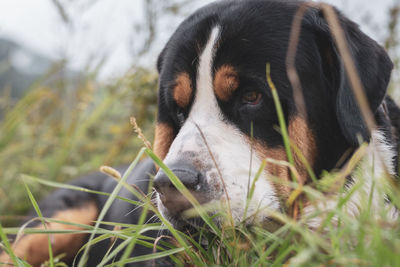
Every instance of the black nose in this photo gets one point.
(188, 175)
(174, 201)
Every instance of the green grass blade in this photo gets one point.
(9, 251)
(184, 191)
(39, 213)
(148, 257)
(107, 205)
(76, 188)
(141, 221)
(281, 118)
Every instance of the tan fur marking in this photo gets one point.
(34, 247)
(276, 170)
(183, 91)
(163, 139)
(226, 81)
(302, 137)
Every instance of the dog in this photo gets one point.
(216, 119)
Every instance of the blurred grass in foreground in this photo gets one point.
(371, 239)
(66, 130)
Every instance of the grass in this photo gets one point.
(368, 240)
(59, 133)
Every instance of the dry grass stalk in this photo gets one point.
(351, 70)
(139, 132)
(291, 60)
(111, 172)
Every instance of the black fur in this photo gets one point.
(256, 32)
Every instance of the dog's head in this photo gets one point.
(217, 118)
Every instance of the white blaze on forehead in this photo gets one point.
(205, 104)
(227, 143)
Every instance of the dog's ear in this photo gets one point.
(373, 65)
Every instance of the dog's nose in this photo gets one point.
(173, 200)
(188, 175)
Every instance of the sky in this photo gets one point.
(105, 29)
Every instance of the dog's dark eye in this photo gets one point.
(180, 116)
(251, 98)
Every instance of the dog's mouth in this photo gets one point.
(185, 224)
(205, 198)
(177, 205)
(189, 220)
(179, 211)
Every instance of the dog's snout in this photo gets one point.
(171, 198)
(190, 177)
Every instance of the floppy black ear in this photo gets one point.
(374, 68)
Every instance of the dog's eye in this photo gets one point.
(251, 98)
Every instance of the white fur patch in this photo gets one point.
(370, 174)
(228, 146)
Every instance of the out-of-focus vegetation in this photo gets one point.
(60, 132)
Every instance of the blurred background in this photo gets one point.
(72, 72)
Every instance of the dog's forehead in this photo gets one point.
(245, 43)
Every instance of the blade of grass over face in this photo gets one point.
(184, 191)
(301, 157)
(107, 205)
(141, 222)
(350, 67)
(39, 213)
(291, 59)
(134, 240)
(281, 118)
(147, 202)
(251, 158)
(352, 73)
(252, 189)
(180, 238)
(228, 201)
(304, 161)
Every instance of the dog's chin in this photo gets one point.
(181, 222)
(194, 224)
(191, 225)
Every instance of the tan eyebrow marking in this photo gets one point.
(182, 92)
(164, 135)
(226, 81)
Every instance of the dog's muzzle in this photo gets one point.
(172, 200)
